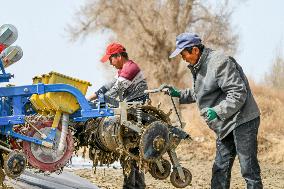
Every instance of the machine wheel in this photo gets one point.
(157, 174)
(154, 141)
(177, 182)
(15, 164)
(47, 159)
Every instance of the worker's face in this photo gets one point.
(116, 61)
(191, 57)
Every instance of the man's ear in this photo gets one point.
(195, 50)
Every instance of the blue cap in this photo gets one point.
(185, 40)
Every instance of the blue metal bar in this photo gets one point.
(26, 90)
(26, 138)
(8, 131)
(2, 67)
(13, 120)
(51, 135)
(4, 107)
(4, 77)
(17, 105)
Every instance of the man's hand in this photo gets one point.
(92, 97)
(209, 114)
(171, 90)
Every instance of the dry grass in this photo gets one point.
(271, 133)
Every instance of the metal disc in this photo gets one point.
(48, 159)
(15, 164)
(154, 141)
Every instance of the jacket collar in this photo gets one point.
(194, 68)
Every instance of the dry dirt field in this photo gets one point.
(199, 161)
(109, 178)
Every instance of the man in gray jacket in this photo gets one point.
(223, 96)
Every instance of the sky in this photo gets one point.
(260, 24)
(42, 35)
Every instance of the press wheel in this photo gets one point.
(177, 181)
(157, 174)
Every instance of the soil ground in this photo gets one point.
(110, 178)
(198, 157)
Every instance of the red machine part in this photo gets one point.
(48, 159)
(13, 143)
(2, 47)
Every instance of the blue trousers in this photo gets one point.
(242, 141)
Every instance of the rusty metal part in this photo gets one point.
(5, 148)
(173, 156)
(157, 173)
(110, 141)
(159, 143)
(140, 134)
(2, 177)
(154, 141)
(104, 133)
(15, 164)
(47, 159)
(103, 138)
(149, 114)
(177, 181)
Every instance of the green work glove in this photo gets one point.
(211, 114)
(174, 92)
(171, 90)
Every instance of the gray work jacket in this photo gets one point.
(220, 83)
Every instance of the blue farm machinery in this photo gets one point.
(42, 124)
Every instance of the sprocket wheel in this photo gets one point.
(48, 159)
(15, 164)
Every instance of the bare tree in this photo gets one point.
(275, 76)
(148, 30)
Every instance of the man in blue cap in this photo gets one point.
(223, 95)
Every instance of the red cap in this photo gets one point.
(113, 48)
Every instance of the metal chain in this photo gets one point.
(175, 108)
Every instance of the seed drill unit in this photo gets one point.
(42, 124)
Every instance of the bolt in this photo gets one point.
(26, 90)
(159, 143)
(102, 112)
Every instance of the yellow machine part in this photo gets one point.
(47, 107)
(36, 99)
(52, 102)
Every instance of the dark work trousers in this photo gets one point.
(242, 141)
(135, 180)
